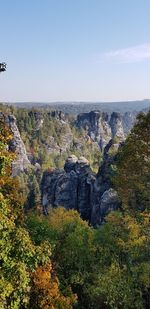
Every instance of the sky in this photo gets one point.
(75, 50)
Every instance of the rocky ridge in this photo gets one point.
(99, 126)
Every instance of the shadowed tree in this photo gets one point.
(2, 67)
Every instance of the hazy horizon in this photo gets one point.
(69, 101)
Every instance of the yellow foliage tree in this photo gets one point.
(45, 292)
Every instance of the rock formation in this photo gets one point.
(96, 125)
(76, 187)
(70, 187)
(16, 145)
(59, 115)
(116, 125)
(105, 198)
(102, 128)
(129, 119)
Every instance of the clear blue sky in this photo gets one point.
(70, 50)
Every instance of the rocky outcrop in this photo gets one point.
(38, 116)
(77, 187)
(105, 198)
(102, 128)
(116, 125)
(70, 187)
(129, 121)
(103, 204)
(65, 140)
(97, 126)
(16, 145)
(59, 115)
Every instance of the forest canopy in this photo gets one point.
(59, 261)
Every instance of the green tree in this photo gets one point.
(73, 250)
(34, 195)
(124, 269)
(19, 257)
(133, 166)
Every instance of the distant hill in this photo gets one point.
(75, 108)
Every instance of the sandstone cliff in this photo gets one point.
(16, 145)
(76, 187)
(102, 127)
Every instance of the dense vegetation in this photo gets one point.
(133, 174)
(59, 261)
(48, 142)
(27, 278)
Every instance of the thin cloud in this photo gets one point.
(131, 54)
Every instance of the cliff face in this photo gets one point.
(59, 137)
(116, 125)
(69, 187)
(128, 121)
(76, 187)
(102, 128)
(105, 197)
(97, 126)
(16, 145)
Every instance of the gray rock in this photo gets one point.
(70, 163)
(129, 119)
(109, 202)
(66, 190)
(65, 136)
(76, 187)
(69, 188)
(101, 129)
(16, 145)
(116, 124)
(97, 126)
(57, 114)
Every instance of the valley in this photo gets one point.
(75, 190)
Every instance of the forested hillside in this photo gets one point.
(59, 260)
(50, 136)
(43, 140)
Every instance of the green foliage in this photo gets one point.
(124, 271)
(107, 267)
(20, 259)
(46, 261)
(133, 167)
(44, 141)
(73, 250)
(34, 195)
(44, 137)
